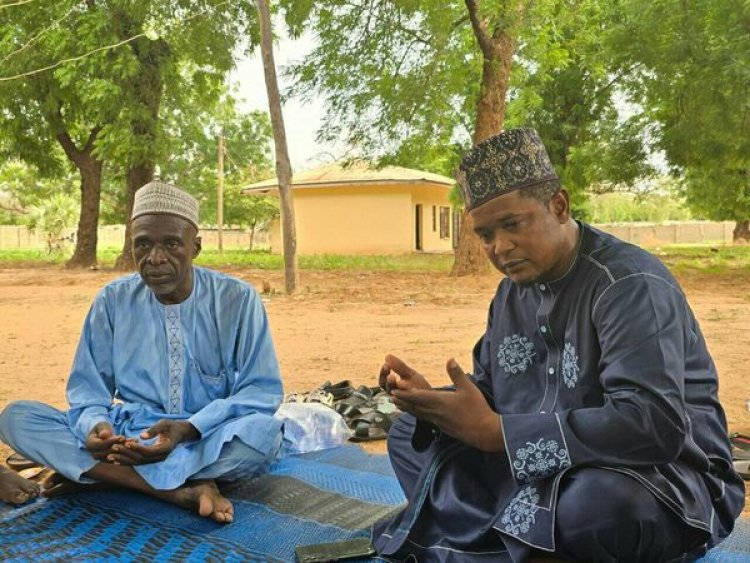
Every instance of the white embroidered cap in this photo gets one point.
(160, 198)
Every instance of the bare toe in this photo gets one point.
(203, 497)
(205, 505)
(224, 513)
(15, 489)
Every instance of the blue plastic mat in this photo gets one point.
(325, 496)
(734, 549)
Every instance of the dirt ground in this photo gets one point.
(339, 326)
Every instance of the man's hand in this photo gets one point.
(395, 374)
(168, 434)
(102, 440)
(463, 413)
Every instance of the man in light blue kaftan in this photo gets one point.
(175, 380)
(591, 429)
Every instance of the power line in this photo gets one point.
(71, 59)
(83, 56)
(50, 27)
(19, 3)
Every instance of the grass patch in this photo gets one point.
(260, 260)
(264, 260)
(719, 260)
(707, 259)
(20, 258)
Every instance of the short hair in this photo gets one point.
(543, 191)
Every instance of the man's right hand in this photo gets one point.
(395, 374)
(100, 441)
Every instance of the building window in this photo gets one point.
(434, 218)
(445, 222)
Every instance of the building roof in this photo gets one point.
(359, 172)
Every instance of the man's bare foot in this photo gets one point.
(57, 485)
(15, 489)
(205, 498)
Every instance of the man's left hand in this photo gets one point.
(168, 434)
(463, 414)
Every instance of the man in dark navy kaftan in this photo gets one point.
(591, 428)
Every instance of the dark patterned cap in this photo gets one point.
(512, 160)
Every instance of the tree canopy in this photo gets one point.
(112, 69)
(688, 68)
(607, 84)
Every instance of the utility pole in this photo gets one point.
(220, 195)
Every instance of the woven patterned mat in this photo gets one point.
(324, 496)
(331, 495)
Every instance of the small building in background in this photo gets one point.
(358, 209)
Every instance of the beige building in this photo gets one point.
(357, 209)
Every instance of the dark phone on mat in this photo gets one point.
(334, 551)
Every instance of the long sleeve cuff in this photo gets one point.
(205, 422)
(90, 417)
(535, 445)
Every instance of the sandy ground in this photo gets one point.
(339, 326)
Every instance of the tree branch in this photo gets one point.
(90, 141)
(480, 27)
(55, 119)
(68, 146)
(13, 208)
(460, 21)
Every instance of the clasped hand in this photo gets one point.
(462, 413)
(107, 447)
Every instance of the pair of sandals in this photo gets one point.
(368, 411)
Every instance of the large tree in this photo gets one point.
(687, 67)
(106, 72)
(186, 52)
(66, 105)
(564, 87)
(416, 83)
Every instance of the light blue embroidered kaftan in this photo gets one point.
(209, 360)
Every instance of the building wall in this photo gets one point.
(433, 200)
(357, 220)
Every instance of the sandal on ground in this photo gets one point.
(295, 398)
(371, 426)
(740, 446)
(741, 441)
(320, 396)
(17, 463)
(742, 467)
(352, 406)
(339, 390)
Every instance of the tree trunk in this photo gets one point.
(84, 255)
(252, 237)
(283, 166)
(741, 231)
(497, 51)
(137, 176)
(90, 169)
(146, 89)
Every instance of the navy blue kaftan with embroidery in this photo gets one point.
(603, 368)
